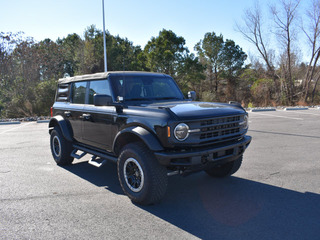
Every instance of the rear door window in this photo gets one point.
(98, 87)
(79, 92)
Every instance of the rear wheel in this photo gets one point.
(224, 170)
(61, 148)
(141, 177)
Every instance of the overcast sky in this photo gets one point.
(137, 20)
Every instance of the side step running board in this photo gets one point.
(94, 161)
(77, 156)
(98, 159)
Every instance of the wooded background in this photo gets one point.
(218, 69)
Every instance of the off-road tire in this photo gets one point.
(224, 170)
(61, 148)
(141, 176)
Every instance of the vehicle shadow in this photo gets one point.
(236, 208)
(230, 208)
(105, 176)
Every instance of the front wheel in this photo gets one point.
(141, 177)
(61, 148)
(224, 170)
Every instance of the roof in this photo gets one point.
(104, 75)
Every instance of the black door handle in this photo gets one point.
(86, 116)
(67, 113)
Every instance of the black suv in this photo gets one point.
(142, 122)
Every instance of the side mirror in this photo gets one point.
(192, 95)
(102, 100)
(235, 103)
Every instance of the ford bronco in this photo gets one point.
(143, 123)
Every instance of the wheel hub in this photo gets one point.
(133, 175)
(56, 146)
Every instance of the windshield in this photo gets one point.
(145, 88)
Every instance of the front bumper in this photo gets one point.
(225, 153)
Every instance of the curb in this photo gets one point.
(262, 109)
(7, 123)
(296, 108)
(43, 121)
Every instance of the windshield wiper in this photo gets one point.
(151, 99)
(167, 98)
(138, 99)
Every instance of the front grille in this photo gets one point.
(220, 120)
(219, 133)
(215, 130)
(220, 128)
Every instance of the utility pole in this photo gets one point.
(104, 40)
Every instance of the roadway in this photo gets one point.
(274, 195)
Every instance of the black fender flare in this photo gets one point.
(62, 123)
(143, 134)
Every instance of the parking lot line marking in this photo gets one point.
(285, 134)
(306, 113)
(14, 128)
(272, 115)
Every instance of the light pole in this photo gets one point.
(104, 40)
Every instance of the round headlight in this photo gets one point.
(181, 131)
(245, 123)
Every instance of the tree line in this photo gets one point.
(30, 70)
(217, 71)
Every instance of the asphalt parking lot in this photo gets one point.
(275, 194)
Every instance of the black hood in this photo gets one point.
(196, 110)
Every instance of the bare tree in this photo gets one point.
(312, 33)
(284, 18)
(255, 32)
